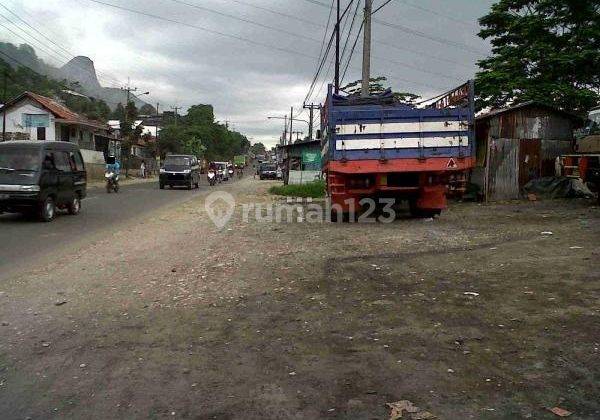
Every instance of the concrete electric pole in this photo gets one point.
(291, 124)
(311, 108)
(337, 50)
(366, 64)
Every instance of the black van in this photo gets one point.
(38, 177)
(180, 170)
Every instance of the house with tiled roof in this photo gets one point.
(30, 116)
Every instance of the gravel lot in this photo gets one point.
(475, 314)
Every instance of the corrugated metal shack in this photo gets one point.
(301, 162)
(518, 144)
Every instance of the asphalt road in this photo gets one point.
(22, 239)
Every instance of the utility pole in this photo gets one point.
(311, 108)
(366, 64)
(337, 50)
(291, 123)
(4, 107)
(176, 108)
(285, 127)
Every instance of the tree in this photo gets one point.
(376, 87)
(119, 112)
(130, 134)
(258, 149)
(147, 109)
(542, 50)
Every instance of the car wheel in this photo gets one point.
(47, 210)
(75, 205)
(161, 186)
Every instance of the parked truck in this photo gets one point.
(376, 147)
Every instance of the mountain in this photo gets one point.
(81, 69)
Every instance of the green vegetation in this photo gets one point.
(21, 78)
(376, 87)
(314, 189)
(199, 134)
(547, 51)
(258, 149)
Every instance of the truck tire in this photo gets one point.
(423, 213)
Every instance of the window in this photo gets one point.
(61, 159)
(76, 161)
(41, 133)
(36, 120)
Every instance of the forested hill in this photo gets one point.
(79, 70)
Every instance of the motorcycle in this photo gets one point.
(230, 171)
(212, 177)
(112, 182)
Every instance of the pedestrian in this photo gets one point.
(143, 169)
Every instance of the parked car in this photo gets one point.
(180, 170)
(267, 171)
(37, 177)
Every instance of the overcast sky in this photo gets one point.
(258, 63)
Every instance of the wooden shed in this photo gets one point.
(518, 144)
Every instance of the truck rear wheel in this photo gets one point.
(422, 213)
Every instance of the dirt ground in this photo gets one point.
(171, 317)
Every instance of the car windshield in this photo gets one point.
(177, 161)
(17, 159)
(268, 167)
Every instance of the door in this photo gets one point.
(65, 177)
(502, 171)
(530, 164)
(49, 177)
(79, 173)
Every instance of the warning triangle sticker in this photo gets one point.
(451, 164)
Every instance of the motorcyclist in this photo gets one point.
(113, 165)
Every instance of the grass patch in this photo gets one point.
(314, 189)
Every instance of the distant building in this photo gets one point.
(149, 135)
(300, 162)
(518, 144)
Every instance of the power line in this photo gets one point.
(105, 75)
(201, 28)
(44, 36)
(433, 12)
(415, 32)
(266, 9)
(48, 49)
(380, 7)
(324, 59)
(241, 19)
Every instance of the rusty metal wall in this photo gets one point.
(502, 133)
(502, 172)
